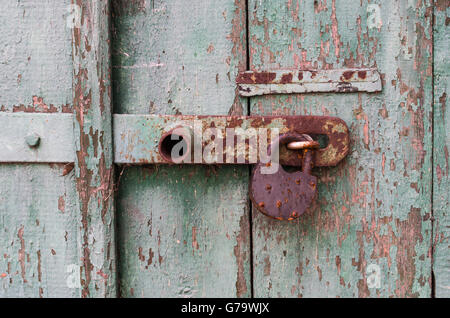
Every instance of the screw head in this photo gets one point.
(33, 140)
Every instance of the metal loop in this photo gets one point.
(299, 145)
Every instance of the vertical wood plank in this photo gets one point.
(441, 208)
(368, 233)
(183, 230)
(94, 169)
(38, 219)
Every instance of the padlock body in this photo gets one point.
(282, 195)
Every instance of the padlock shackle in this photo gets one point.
(307, 159)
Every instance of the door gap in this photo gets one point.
(433, 282)
(250, 207)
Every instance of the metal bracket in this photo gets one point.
(137, 138)
(251, 83)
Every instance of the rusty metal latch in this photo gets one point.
(149, 139)
(252, 83)
(305, 141)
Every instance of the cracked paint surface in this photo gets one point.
(94, 173)
(183, 231)
(182, 228)
(367, 212)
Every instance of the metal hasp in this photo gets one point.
(138, 139)
(146, 139)
(252, 83)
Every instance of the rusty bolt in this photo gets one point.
(33, 140)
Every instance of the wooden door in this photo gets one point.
(378, 227)
(182, 231)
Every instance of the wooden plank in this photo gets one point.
(94, 167)
(39, 225)
(183, 231)
(38, 220)
(372, 217)
(441, 142)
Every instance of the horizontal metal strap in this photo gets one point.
(48, 138)
(54, 133)
(252, 83)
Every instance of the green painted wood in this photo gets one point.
(39, 226)
(373, 211)
(35, 62)
(38, 219)
(55, 133)
(183, 231)
(441, 145)
(94, 167)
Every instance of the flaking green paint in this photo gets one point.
(38, 219)
(375, 207)
(94, 166)
(441, 146)
(183, 231)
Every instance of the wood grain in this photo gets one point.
(38, 218)
(441, 145)
(183, 230)
(373, 211)
(94, 167)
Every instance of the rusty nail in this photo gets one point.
(33, 140)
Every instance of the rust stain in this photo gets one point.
(319, 273)
(140, 255)
(210, 48)
(61, 204)
(267, 266)
(150, 257)
(239, 49)
(441, 5)
(39, 265)
(286, 78)
(39, 106)
(346, 76)
(257, 78)
(334, 30)
(67, 168)
(90, 185)
(410, 234)
(194, 239)
(241, 254)
(22, 253)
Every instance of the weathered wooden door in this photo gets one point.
(378, 228)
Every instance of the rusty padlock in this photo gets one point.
(284, 195)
